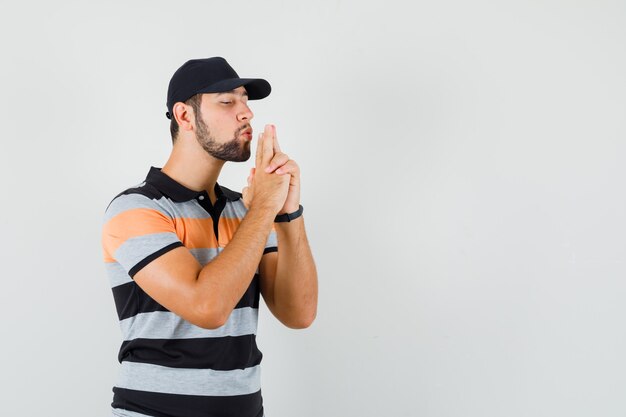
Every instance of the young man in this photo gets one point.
(189, 258)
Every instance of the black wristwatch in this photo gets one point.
(287, 217)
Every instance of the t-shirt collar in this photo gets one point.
(179, 192)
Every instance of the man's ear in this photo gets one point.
(184, 116)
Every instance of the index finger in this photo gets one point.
(275, 141)
(259, 152)
(268, 146)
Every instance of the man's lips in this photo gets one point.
(247, 133)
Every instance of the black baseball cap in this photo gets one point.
(210, 75)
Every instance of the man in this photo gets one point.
(189, 258)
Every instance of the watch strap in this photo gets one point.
(287, 217)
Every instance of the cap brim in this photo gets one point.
(257, 88)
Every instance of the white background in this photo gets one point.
(462, 169)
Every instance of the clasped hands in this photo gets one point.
(271, 160)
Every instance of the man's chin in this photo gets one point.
(245, 153)
(231, 153)
(242, 159)
(239, 158)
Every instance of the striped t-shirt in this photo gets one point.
(170, 367)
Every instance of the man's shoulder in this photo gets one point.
(141, 195)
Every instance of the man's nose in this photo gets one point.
(245, 113)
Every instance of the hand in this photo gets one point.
(280, 164)
(248, 191)
(265, 189)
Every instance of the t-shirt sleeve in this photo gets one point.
(135, 231)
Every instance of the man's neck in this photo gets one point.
(195, 170)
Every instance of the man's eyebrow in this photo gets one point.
(245, 93)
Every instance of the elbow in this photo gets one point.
(210, 323)
(209, 317)
(302, 322)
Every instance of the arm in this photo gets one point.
(206, 296)
(289, 277)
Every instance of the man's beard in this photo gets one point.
(229, 151)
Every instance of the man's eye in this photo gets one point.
(226, 102)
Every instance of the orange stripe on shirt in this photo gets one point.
(133, 223)
(227, 228)
(195, 232)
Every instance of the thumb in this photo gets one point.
(244, 194)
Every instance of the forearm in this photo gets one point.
(224, 280)
(295, 287)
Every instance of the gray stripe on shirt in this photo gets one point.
(119, 412)
(168, 325)
(272, 240)
(204, 255)
(130, 202)
(187, 209)
(117, 274)
(136, 249)
(185, 381)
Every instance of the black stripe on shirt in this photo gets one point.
(270, 249)
(131, 300)
(152, 257)
(217, 353)
(176, 405)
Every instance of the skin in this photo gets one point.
(205, 296)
